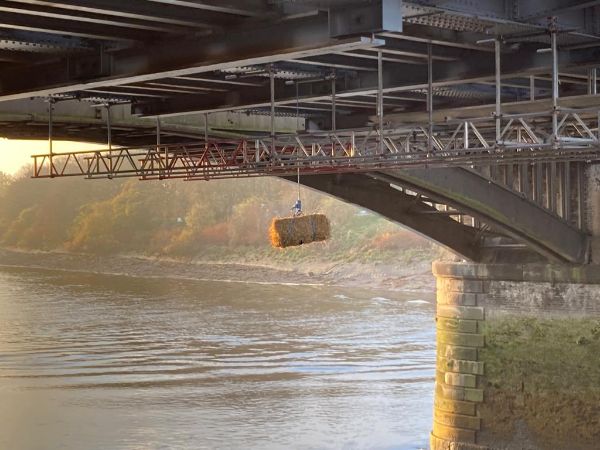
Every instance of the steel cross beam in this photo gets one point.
(169, 12)
(248, 8)
(471, 69)
(69, 15)
(49, 23)
(299, 38)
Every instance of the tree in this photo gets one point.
(5, 181)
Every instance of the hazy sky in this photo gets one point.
(14, 154)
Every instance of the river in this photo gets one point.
(92, 361)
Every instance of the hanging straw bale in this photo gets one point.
(292, 231)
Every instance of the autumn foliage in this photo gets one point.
(178, 219)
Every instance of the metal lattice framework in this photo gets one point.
(507, 92)
(524, 139)
(234, 159)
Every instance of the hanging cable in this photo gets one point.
(298, 184)
(297, 209)
(50, 134)
(297, 109)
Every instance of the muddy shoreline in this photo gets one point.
(414, 278)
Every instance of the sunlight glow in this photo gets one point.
(14, 153)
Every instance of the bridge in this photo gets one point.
(476, 124)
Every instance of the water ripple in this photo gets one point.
(182, 364)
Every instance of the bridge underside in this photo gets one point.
(164, 57)
(475, 128)
(460, 210)
(474, 123)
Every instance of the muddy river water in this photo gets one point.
(92, 361)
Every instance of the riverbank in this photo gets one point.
(414, 277)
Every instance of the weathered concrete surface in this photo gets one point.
(518, 364)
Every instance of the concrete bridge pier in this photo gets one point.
(518, 357)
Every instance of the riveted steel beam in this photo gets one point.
(167, 13)
(395, 79)
(62, 27)
(246, 8)
(572, 12)
(299, 38)
(499, 207)
(382, 198)
(94, 19)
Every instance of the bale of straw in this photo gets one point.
(292, 231)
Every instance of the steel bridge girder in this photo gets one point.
(501, 208)
(407, 210)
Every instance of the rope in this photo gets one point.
(297, 126)
(298, 212)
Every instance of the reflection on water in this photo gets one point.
(103, 362)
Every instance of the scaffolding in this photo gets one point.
(536, 151)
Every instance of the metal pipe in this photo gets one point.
(524, 182)
(580, 195)
(297, 108)
(333, 103)
(157, 133)
(566, 191)
(206, 129)
(50, 132)
(554, 84)
(430, 97)
(166, 153)
(537, 183)
(578, 110)
(498, 90)
(592, 81)
(108, 127)
(531, 88)
(298, 174)
(272, 89)
(503, 116)
(109, 141)
(551, 187)
(380, 97)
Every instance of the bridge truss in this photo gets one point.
(523, 139)
(527, 155)
(508, 93)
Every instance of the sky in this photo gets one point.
(15, 154)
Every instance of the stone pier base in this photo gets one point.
(518, 357)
